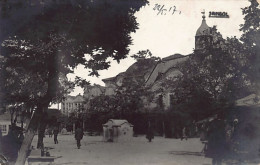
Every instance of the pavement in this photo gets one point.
(137, 151)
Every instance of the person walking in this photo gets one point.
(217, 148)
(55, 133)
(50, 132)
(78, 136)
(184, 134)
(150, 134)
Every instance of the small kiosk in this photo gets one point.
(117, 130)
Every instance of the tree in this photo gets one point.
(251, 41)
(54, 38)
(144, 55)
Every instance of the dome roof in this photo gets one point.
(204, 29)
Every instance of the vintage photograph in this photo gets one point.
(129, 82)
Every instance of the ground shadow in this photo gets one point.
(49, 148)
(186, 153)
(70, 163)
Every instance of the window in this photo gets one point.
(171, 99)
(3, 128)
(160, 101)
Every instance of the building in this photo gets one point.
(5, 123)
(91, 91)
(117, 130)
(72, 104)
(139, 70)
(167, 68)
(204, 37)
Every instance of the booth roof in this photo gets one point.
(117, 122)
(251, 100)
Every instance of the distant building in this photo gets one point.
(72, 104)
(5, 123)
(91, 91)
(139, 70)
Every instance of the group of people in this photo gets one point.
(218, 136)
(78, 135)
(55, 132)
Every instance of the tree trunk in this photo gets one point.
(41, 134)
(32, 127)
(42, 126)
(40, 138)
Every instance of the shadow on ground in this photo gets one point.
(69, 163)
(186, 153)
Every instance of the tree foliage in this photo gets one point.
(251, 41)
(56, 38)
(44, 40)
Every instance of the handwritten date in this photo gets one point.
(162, 10)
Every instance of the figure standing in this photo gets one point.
(78, 136)
(184, 134)
(217, 148)
(55, 133)
(150, 134)
(50, 132)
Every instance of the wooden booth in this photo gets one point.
(117, 130)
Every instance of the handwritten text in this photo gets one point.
(163, 10)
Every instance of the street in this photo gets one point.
(161, 151)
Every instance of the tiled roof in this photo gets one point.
(165, 65)
(78, 98)
(172, 57)
(251, 100)
(117, 122)
(139, 68)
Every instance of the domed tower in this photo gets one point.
(203, 38)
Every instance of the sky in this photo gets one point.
(164, 33)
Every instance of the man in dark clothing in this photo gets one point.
(55, 133)
(149, 134)
(78, 136)
(216, 141)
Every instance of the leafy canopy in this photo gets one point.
(43, 41)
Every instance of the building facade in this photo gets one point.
(72, 104)
(167, 68)
(5, 123)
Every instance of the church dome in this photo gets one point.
(204, 29)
